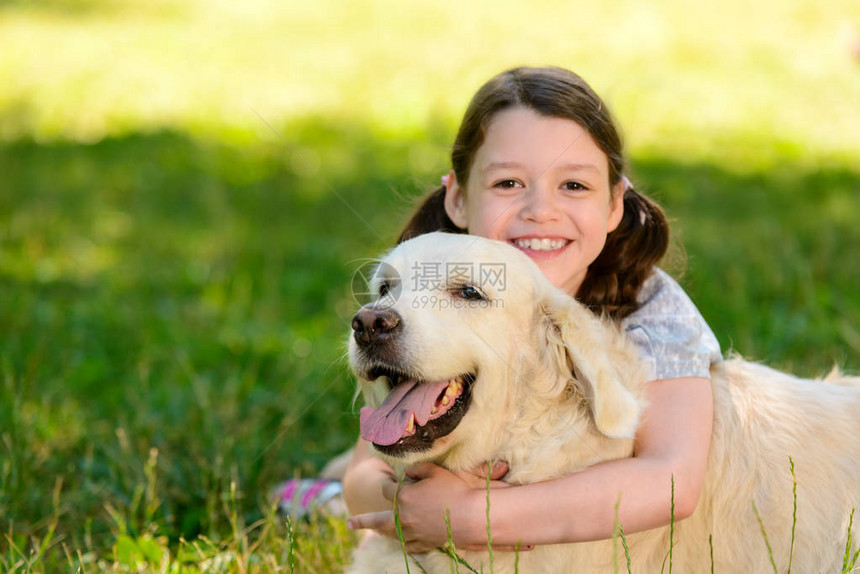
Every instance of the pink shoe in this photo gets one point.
(300, 497)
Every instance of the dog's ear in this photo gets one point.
(582, 345)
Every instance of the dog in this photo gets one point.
(460, 365)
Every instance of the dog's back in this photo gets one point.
(765, 422)
(762, 418)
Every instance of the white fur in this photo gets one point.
(559, 390)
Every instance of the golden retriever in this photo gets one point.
(470, 355)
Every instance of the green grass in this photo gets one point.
(188, 187)
(850, 560)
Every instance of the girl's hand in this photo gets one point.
(422, 501)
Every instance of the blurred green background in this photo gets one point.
(187, 187)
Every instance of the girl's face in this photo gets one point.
(541, 184)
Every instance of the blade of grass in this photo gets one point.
(151, 500)
(848, 562)
(291, 558)
(711, 548)
(453, 554)
(16, 550)
(793, 514)
(451, 550)
(626, 549)
(671, 528)
(672, 525)
(397, 526)
(81, 563)
(450, 543)
(853, 561)
(764, 535)
(616, 531)
(615, 537)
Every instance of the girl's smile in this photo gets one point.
(540, 244)
(542, 184)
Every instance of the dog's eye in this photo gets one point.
(384, 288)
(469, 293)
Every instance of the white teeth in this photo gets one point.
(410, 426)
(544, 244)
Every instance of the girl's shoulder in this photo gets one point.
(669, 330)
(662, 295)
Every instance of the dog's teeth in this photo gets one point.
(434, 411)
(446, 400)
(454, 388)
(410, 426)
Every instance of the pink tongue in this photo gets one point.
(387, 423)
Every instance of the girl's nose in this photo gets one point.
(539, 203)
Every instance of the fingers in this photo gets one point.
(389, 490)
(499, 469)
(381, 521)
(422, 470)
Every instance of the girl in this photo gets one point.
(537, 162)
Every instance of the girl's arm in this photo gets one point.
(672, 441)
(364, 480)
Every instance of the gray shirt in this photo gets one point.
(672, 336)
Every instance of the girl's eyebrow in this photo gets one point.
(574, 166)
(500, 165)
(570, 166)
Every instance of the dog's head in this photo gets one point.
(464, 332)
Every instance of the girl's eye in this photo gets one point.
(507, 184)
(469, 293)
(573, 186)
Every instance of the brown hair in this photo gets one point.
(614, 279)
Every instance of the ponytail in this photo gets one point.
(430, 215)
(632, 250)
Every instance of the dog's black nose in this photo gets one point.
(372, 325)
